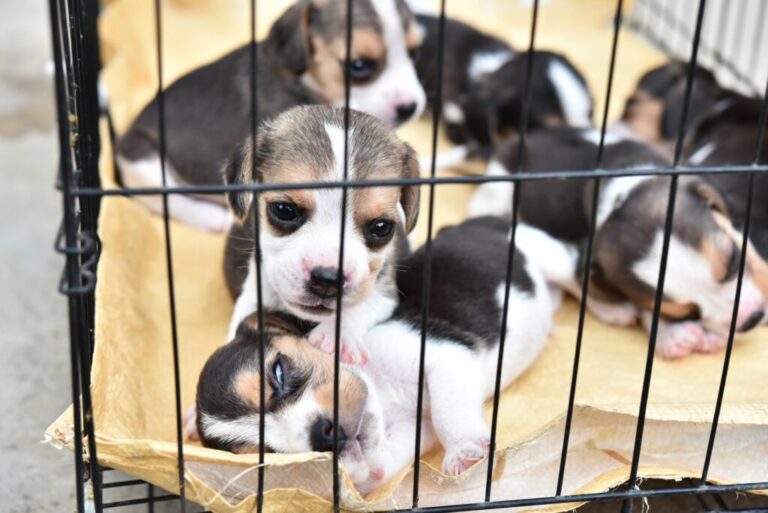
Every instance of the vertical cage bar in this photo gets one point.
(588, 256)
(437, 107)
(340, 273)
(524, 115)
(760, 132)
(57, 15)
(653, 332)
(169, 258)
(254, 65)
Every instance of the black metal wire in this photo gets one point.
(664, 255)
(437, 106)
(254, 67)
(517, 186)
(760, 131)
(588, 254)
(169, 257)
(340, 275)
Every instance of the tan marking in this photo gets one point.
(644, 117)
(712, 197)
(368, 44)
(715, 251)
(673, 310)
(326, 70)
(413, 36)
(248, 387)
(369, 203)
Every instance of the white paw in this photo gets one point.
(616, 314)
(491, 199)
(679, 339)
(461, 456)
(323, 337)
(190, 424)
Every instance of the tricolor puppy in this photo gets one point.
(377, 421)
(302, 61)
(727, 137)
(704, 249)
(484, 88)
(300, 229)
(652, 113)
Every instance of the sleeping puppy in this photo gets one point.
(300, 62)
(704, 250)
(376, 408)
(484, 89)
(300, 229)
(652, 113)
(728, 136)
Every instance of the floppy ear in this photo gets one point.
(711, 196)
(238, 170)
(289, 37)
(409, 194)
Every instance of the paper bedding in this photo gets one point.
(132, 377)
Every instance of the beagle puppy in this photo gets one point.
(483, 88)
(376, 409)
(704, 249)
(300, 229)
(302, 60)
(652, 113)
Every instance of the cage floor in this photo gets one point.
(133, 371)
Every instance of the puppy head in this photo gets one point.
(300, 229)
(559, 95)
(653, 111)
(309, 40)
(298, 409)
(703, 260)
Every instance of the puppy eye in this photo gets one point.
(285, 215)
(362, 69)
(277, 373)
(379, 231)
(414, 53)
(732, 269)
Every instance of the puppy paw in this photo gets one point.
(352, 352)
(680, 339)
(190, 424)
(711, 342)
(463, 455)
(615, 314)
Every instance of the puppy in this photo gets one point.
(484, 89)
(301, 61)
(376, 409)
(704, 249)
(300, 229)
(652, 113)
(726, 137)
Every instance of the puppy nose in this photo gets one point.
(752, 321)
(321, 435)
(323, 281)
(405, 111)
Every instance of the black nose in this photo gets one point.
(323, 281)
(405, 111)
(321, 435)
(753, 320)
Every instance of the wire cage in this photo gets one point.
(688, 30)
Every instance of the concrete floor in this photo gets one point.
(34, 370)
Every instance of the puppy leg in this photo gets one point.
(492, 198)
(395, 453)
(148, 173)
(355, 322)
(445, 159)
(616, 314)
(456, 391)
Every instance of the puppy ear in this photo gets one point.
(409, 194)
(238, 170)
(289, 37)
(711, 196)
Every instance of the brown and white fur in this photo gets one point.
(300, 229)
(704, 249)
(376, 410)
(208, 111)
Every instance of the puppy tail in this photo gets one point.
(556, 260)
